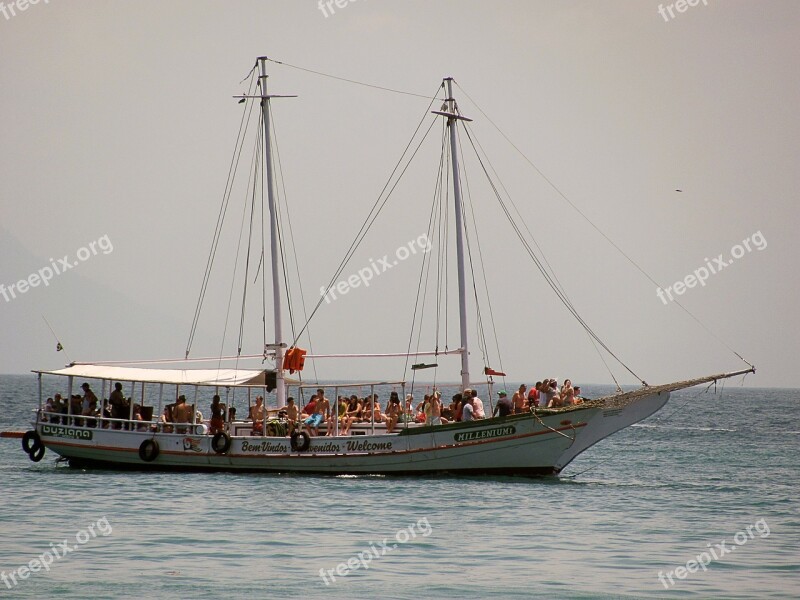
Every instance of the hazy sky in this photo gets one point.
(118, 128)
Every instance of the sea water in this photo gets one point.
(705, 491)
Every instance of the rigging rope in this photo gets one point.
(369, 85)
(232, 169)
(608, 239)
(434, 220)
(294, 249)
(253, 177)
(377, 207)
(483, 270)
(543, 255)
(541, 268)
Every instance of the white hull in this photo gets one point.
(516, 445)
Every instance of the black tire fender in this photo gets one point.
(300, 441)
(31, 442)
(37, 454)
(221, 442)
(148, 450)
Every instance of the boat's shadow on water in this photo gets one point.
(64, 469)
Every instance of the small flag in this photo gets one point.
(490, 371)
(59, 347)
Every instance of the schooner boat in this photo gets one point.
(539, 441)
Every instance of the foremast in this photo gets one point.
(451, 113)
(279, 344)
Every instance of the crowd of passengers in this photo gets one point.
(84, 410)
(468, 406)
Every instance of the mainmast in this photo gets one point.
(279, 344)
(452, 117)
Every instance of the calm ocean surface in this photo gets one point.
(648, 499)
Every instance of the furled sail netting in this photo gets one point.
(623, 399)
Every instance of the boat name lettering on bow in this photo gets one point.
(63, 432)
(468, 436)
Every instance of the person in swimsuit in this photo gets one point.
(393, 412)
(257, 414)
(291, 414)
(217, 422)
(322, 411)
(433, 409)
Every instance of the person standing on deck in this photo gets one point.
(468, 413)
(217, 422)
(182, 413)
(519, 400)
(118, 404)
(477, 404)
(504, 405)
(533, 395)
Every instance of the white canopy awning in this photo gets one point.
(212, 377)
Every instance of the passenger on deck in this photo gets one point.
(372, 410)
(408, 410)
(75, 403)
(504, 405)
(322, 410)
(231, 414)
(447, 413)
(137, 416)
(257, 414)
(567, 394)
(309, 408)
(341, 412)
(53, 406)
(328, 412)
(292, 414)
(89, 409)
(366, 410)
(392, 396)
(352, 415)
(118, 404)
(418, 414)
(520, 401)
(167, 418)
(393, 412)
(48, 408)
(59, 406)
(182, 413)
(468, 411)
(578, 399)
(378, 416)
(85, 404)
(551, 393)
(477, 404)
(217, 421)
(458, 404)
(534, 394)
(433, 410)
(342, 403)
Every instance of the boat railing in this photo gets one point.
(97, 421)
